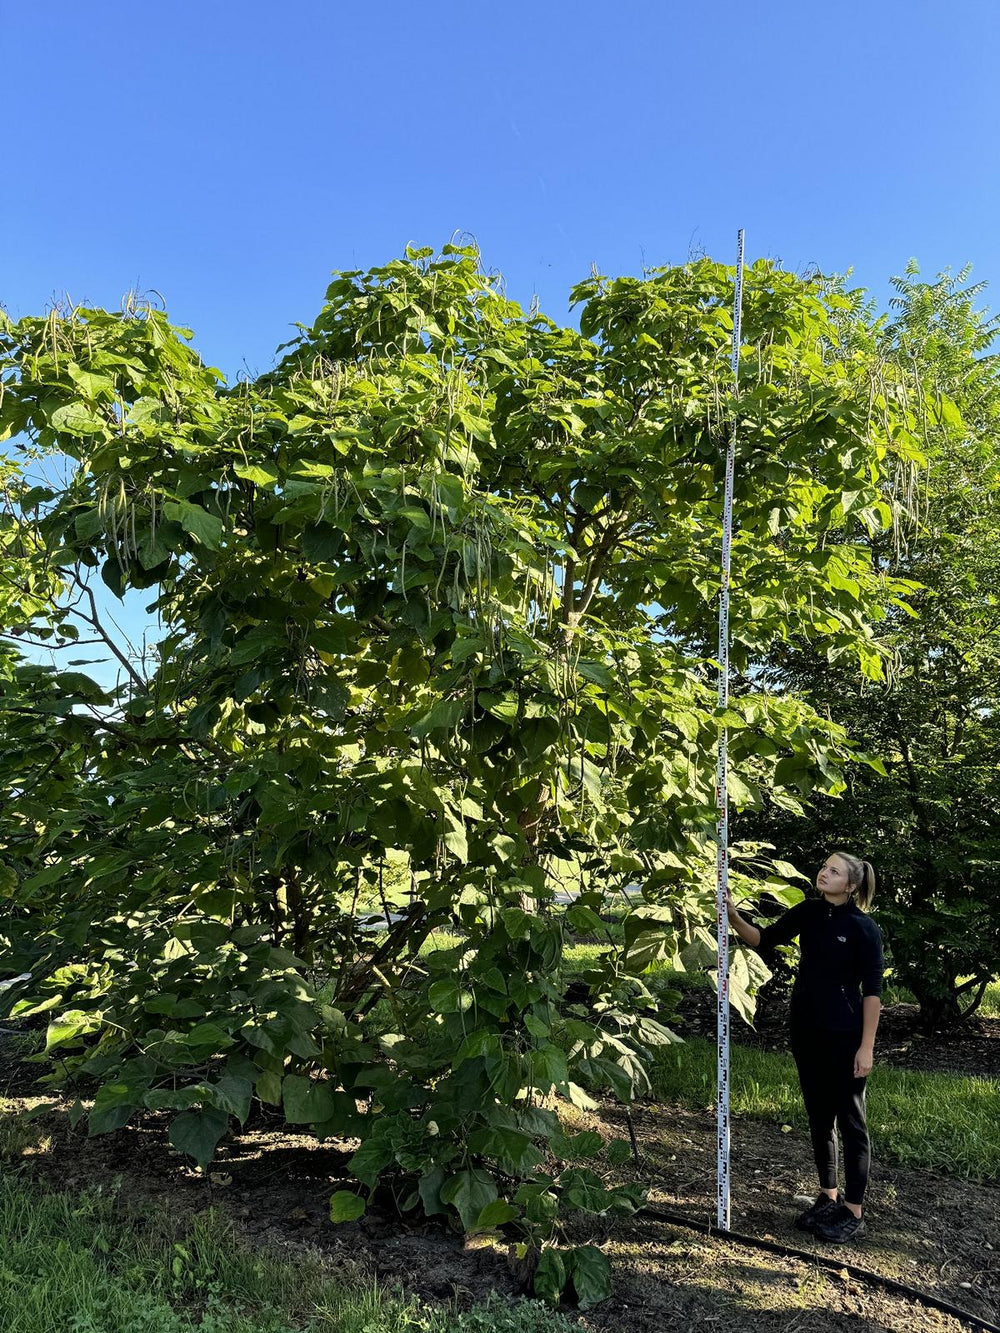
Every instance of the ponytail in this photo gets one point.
(866, 889)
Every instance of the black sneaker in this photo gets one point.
(823, 1208)
(841, 1226)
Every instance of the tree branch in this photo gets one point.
(93, 620)
(611, 533)
(102, 724)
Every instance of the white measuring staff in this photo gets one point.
(721, 792)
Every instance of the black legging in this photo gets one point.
(825, 1061)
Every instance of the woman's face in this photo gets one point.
(833, 878)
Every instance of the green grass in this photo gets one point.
(990, 1007)
(941, 1122)
(81, 1264)
(580, 957)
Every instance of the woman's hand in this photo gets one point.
(863, 1061)
(747, 933)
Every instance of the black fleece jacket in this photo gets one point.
(840, 962)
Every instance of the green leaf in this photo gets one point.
(548, 1066)
(346, 1206)
(588, 1143)
(550, 1276)
(742, 793)
(174, 1099)
(69, 1027)
(113, 1107)
(496, 1214)
(75, 419)
(619, 1151)
(788, 871)
(371, 1160)
(154, 548)
(261, 474)
(584, 920)
(197, 1133)
(538, 1201)
(516, 922)
(92, 386)
(429, 1187)
(585, 1190)
(45, 1108)
(448, 997)
(306, 1102)
(113, 576)
(311, 468)
(207, 1037)
(456, 841)
(269, 1088)
(322, 543)
(148, 410)
(233, 1094)
(469, 1192)
(444, 716)
(204, 527)
(539, 1030)
(88, 524)
(590, 1271)
(82, 687)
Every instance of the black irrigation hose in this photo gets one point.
(836, 1266)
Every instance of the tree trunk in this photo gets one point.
(939, 1004)
(289, 917)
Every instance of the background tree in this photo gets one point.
(931, 821)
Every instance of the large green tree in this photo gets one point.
(931, 821)
(437, 592)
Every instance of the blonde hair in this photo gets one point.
(861, 877)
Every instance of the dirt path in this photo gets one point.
(927, 1230)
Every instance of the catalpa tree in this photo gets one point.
(437, 597)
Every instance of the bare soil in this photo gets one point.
(930, 1231)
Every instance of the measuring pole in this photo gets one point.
(721, 792)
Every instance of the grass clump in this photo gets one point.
(82, 1264)
(941, 1122)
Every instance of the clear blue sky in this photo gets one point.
(231, 153)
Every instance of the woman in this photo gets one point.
(834, 1013)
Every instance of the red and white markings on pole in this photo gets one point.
(721, 788)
